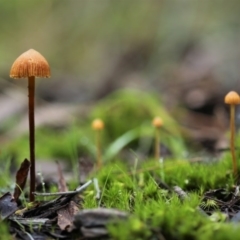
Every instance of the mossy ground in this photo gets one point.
(158, 213)
(144, 187)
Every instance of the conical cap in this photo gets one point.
(30, 63)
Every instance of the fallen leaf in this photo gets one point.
(62, 186)
(92, 223)
(21, 178)
(8, 205)
(66, 215)
(91, 218)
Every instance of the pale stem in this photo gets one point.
(98, 146)
(232, 142)
(157, 143)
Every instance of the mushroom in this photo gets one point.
(157, 123)
(98, 125)
(29, 65)
(233, 99)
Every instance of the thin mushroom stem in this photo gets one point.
(98, 145)
(157, 143)
(31, 91)
(98, 126)
(157, 123)
(232, 128)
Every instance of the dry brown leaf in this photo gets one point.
(66, 215)
(62, 186)
(21, 178)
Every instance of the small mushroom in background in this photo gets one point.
(157, 123)
(98, 126)
(29, 65)
(232, 98)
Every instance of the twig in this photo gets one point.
(28, 221)
(97, 189)
(236, 193)
(29, 235)
(181, 194)
(78, 190)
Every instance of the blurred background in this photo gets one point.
(184, 54)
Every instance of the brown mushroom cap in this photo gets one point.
(232, 98)
(30, 63)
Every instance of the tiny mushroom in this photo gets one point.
(97, 126)
(29, 65)
(232, 98)
(157, 123)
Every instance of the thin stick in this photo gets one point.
(181, 194)
(78, 190)
(97, 189)
(31, 91)
(232, 127)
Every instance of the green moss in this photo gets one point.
(155, 210)
(5, 232)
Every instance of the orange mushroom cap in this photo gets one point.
(30, 63)
(157, 122)
(97, 124)
(232, 98)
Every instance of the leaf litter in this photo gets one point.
(58, 218)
